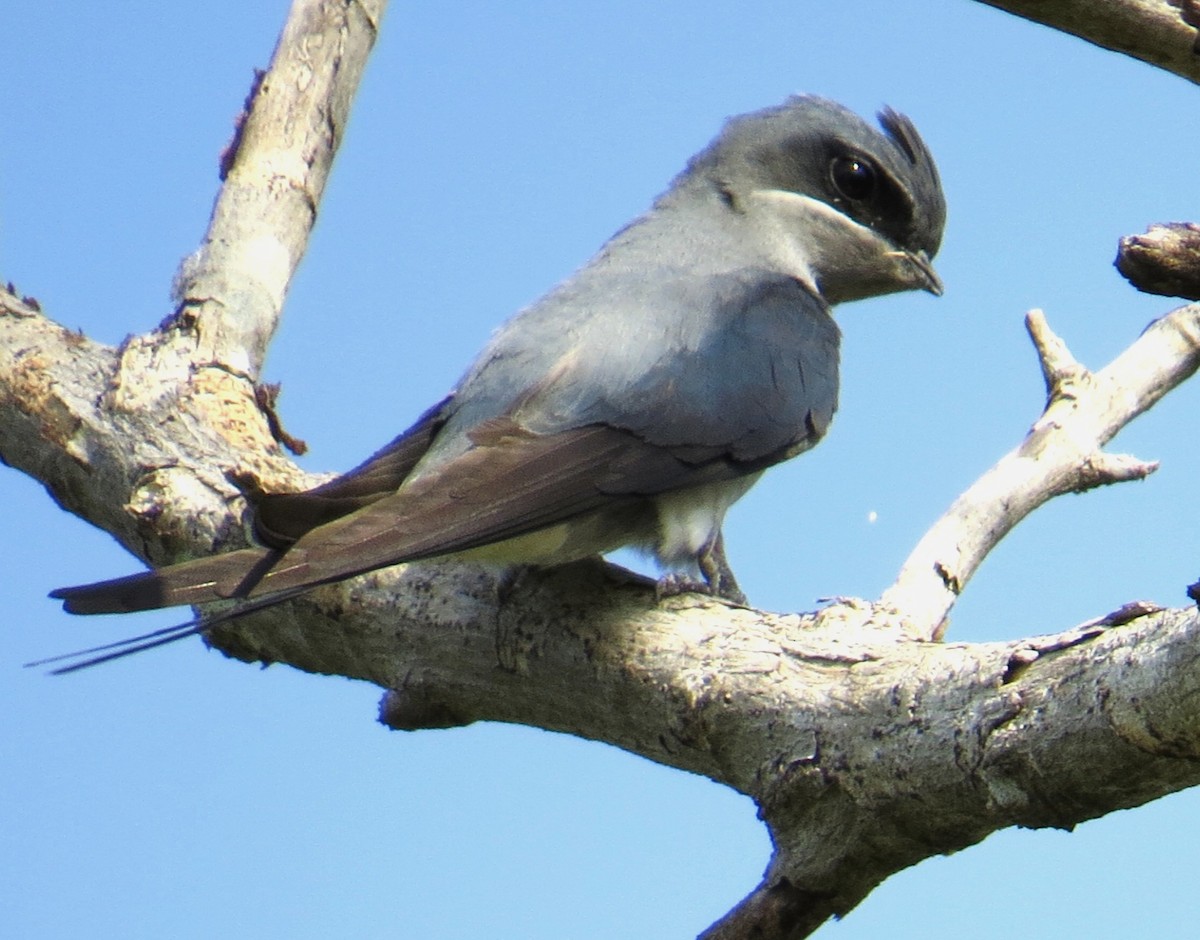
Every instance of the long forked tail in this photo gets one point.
(95, 655)
(216, 577)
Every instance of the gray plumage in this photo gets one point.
(638, 399)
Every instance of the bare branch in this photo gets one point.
(864, 754)
(232, 290)
(1061, 454)
(1166, 260)
(1160, 32)
(1039, 733)
(154, 478)
(144, 440)
(46, 375)
(1060, 368)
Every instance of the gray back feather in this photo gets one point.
(686, 344)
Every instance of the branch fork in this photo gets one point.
(1062, 453)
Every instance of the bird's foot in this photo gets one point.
(674, 584)
(717, 573)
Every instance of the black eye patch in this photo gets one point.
(869, 194)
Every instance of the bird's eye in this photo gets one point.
(853, 177)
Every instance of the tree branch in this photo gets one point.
(864, 753)
(1061, 454)
(1165, 260)
(231, 291)
(146, 440)
(933, 747)
(1160, 32)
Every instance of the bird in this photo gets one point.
(635, 402)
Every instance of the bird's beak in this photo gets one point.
(926, 278)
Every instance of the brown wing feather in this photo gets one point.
(189, 582)
(281, 518)
(511, 483)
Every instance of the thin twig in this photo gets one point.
(1061, 454)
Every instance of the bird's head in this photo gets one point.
(855, 210)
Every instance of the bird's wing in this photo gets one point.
(281, 518)
(762, 381)
(745, 362)
(511, 482)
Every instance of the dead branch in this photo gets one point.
(1165, 260)
(1063, 453)
(145, 440)
(1160, 32)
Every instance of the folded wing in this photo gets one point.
(509, 484)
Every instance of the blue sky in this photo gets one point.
(492, 149)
